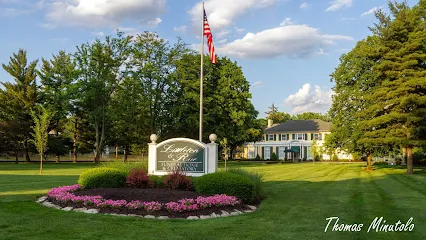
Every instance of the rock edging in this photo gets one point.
(235, 212)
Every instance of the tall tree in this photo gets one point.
(153, 61)
(397, 115)
(18, 99)
(57, 77)
(272, 110)
(102, 65)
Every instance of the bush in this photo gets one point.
(157, 180)
(138, 178)
(257, 180)
(177, 181)
(380, 163)
(335, 158)
(102, 177)
(274, 157)
(257, 158)
(125, 167)
(228, 183)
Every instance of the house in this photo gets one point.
(291, 140)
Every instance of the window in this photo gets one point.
(270, 137)
(281, 153)
(267, 153)
(300, 136)
(284, 137)
(316, 136)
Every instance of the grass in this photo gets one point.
(299, 199)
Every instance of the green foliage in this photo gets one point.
(274, 157)
(335, 158)
(228, 183)
(125, 167)
(102, 177)
(41, 124)
(311, 116)
(157, 180)
(177, 181)
(257, 158)
(17, 99)
(257, 179)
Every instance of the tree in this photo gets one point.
(279, 117)
(40, 135)
(129, 115)
(57, 77)
(154, 64)
(102, 66)
(354, 79)
(17, 101)
(272, 110)
(310, 116)
(397, 116)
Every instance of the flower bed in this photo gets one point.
(66, 196)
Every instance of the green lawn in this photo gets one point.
(299, 199)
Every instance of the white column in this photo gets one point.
(212, 153)
(152, 155)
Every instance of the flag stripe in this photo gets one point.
(209, 36)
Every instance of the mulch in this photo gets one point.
(147, 195)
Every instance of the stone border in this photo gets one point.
(43, 201)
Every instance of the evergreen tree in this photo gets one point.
(17, 100)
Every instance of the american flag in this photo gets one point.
(208, 34)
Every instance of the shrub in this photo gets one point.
(102, 177)
(380, 163)
(228, 183)
(125, 167)
(274, 157)
(177, 181)
(138, 178)
(335, 158)
(257, 180)
(157, 180)
(257, 158)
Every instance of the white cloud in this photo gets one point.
(257, 84)
(98, 34)
(223, 41)
(240, 30)
(128, 31)
(298, 41)
(286, 22)
(60, 40)
(221, 13)
(339, 4)
(155, 22)
(104, 13)
(309, 99)
(221, 34)
(347, 19)
(304, 6)
(180, 29)
(371, 11)
(19, 7)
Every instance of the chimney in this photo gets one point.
(270, 122)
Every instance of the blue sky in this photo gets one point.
(287, 48)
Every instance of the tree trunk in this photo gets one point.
(369, 158)
(97, 148)
(27, 155)
(57, 157)
(231, 152)
(16, 158)
(116, 151)
(41, 163)
(126, 150)
(74, 145)
(409, 160)
(404, 156)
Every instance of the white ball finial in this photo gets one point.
(213, 137)
(153, 138)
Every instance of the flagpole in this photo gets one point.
(201, 74)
